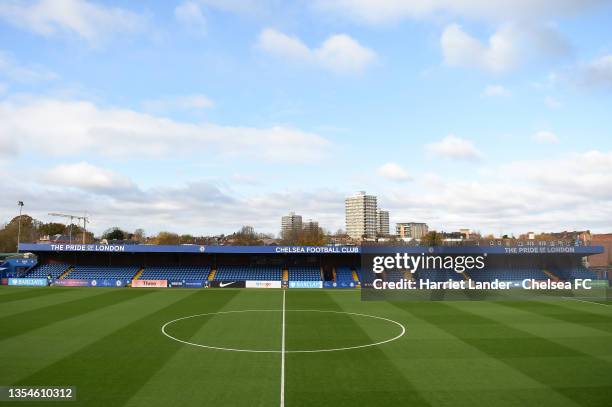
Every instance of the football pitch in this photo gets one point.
(250, 347)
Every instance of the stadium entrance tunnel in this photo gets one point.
(260, 331)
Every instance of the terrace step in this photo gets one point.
(65, 273)
(552, 276)
(138, 274)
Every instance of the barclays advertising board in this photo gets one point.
(38, 282)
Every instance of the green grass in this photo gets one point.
(108, 343)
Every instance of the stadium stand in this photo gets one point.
(506, 274)
(393, 275)
(438, 275)
(227, 273)
(304, 273)
(98, 272)
(175, 273)
(344, 274)
(43, 270)
(576, 272)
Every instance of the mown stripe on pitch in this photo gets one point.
(54, 342)
(43, 302)
(231, 378)
(24, 295)
(564, 314)
(518, 350)
(111, 370)
(361, 377)
(22, 322)
(588, 396)
(9, 289)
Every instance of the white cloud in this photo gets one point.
(8, 147)
(495, 91)
(276, 42)
(190, 13)
(238, 6)
(517, 197)
(546, 137)
(510, 46)
(384, 11)
(551, 102)
(86, 19)
(586, 175)
(455, 148)
(87, 177)
(197, 207)
(393, 172)
(172, 103)
(339, 53)
(15, 71)
(598, 73)
(64, 128)
(461, 49)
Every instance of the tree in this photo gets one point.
(52, 229)
(433, 238)
(78, 237)
(312, 237)
(246, 236)
(114, 233)
(29, 233)
(392, 238)
(166, 238)
(187, 238)
(139, 235)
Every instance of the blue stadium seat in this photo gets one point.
(233, 273)
(576, 272)
(507, 274)
(44, 270)
(101, 272)
(175, 273)
(344, 274)
(304, 273)
(438, 275)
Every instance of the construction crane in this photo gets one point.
(85, 219)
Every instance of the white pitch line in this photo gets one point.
(402, 327)
(588, 302)
(282, 385)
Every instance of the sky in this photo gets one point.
(201, 116)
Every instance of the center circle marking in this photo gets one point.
(163, 330)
